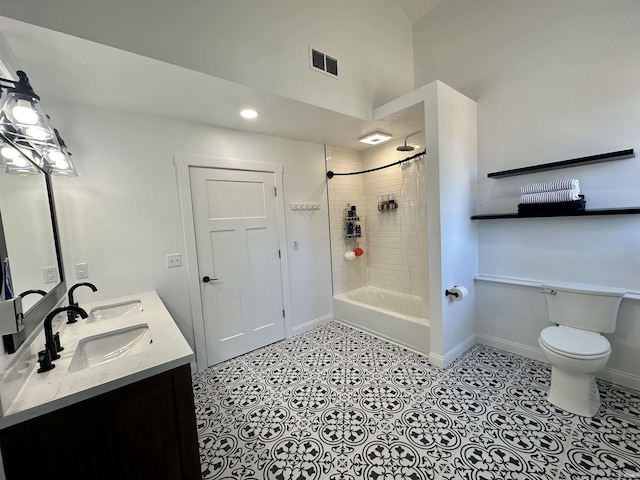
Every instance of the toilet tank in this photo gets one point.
(589, 307)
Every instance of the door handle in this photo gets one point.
(207, 279)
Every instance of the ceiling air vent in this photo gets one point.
(323, 63)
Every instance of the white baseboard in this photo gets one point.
(511, 347)
(436, 360)
(608, 374)
(311, 324)
(619, 378)
(443, 361)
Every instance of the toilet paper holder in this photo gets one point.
(449, 292)
(457, 292)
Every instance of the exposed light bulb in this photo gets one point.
(37, 133)
(9, 152)
(55, 156)
(20, 161)
(62, 164)
(24, 113)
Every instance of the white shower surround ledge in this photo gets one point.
(35, 394)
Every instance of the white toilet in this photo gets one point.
(574, 348)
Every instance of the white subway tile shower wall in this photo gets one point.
(395, 258)
(343, 190)
(396, 239)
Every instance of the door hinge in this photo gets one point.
(283, 313)
(279, 254)
(275, 191)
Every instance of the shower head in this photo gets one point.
(409, 148)
(405, 148)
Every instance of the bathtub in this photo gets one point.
(397, 317)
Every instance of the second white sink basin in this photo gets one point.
(110, 346)
(105, 312)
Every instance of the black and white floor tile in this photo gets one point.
(338, 404)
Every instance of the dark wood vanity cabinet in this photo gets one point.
(146, 430)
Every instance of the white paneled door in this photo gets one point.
(238, 260)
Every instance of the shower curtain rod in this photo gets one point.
(331, 174)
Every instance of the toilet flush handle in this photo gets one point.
(548, 291)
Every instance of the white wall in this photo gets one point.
(451, 158)
(510, 317)
(451, 139)
(122, 216)
(553, 81)
(263, 44)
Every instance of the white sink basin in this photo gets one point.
(115, 310)
(110, 346)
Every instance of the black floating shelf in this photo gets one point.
(586, 213)
(574, 162)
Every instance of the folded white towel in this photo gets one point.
(551, 197)
(551, 186)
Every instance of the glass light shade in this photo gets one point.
(19, 155)
(59, 162)
(63, 166)
(21, 165)
(28, 142)
(58, 158)
(28, 170)
(24, 113)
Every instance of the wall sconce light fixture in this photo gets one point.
(28, 142)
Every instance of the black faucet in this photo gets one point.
(72, 315)
(29, 292)
(52, 347)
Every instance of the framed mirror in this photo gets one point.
(30, 242)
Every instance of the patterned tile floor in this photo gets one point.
(338, 404)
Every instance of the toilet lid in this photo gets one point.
(574, 341)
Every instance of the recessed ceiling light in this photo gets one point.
(248, 113)
(375, 138)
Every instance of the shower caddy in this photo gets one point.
(351, 225)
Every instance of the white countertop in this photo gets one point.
(41, 393)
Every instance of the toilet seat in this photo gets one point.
(575, 343)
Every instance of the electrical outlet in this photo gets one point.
(82, 271)
(50, 274)
(174, 260)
